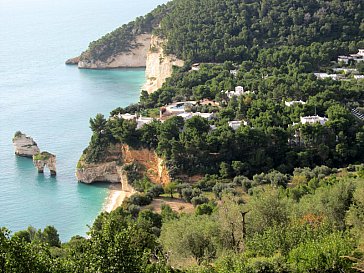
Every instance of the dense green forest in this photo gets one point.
(216, 31)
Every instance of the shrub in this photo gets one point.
(199, 200)
(156, 191)
(187, 194)
(140, 199)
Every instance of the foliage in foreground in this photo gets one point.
(320, 231)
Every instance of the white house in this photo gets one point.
(235, 124)
(207, 116)
(234, 72)
(358, 77)
(291, 103)
(326, 76)
(185, 115)
(314, 119)
(127, 116)
(188, 115)
(239, 90)
(141, 121)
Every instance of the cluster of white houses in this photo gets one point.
(352, 58)
(341, 73)
(336, 77)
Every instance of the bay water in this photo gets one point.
(52, 102)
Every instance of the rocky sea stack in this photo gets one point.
(43, 159)
(24, 145)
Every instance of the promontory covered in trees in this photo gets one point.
(246, 151)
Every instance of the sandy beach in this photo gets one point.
(116, 197)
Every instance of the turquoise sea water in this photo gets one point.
(52, 102)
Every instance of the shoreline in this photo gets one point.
(116, 197)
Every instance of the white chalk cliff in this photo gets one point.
(159, 66)
(25, 145)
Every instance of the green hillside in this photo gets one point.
(216, 31)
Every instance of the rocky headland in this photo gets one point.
(24, 145)
(134, 57)
(111, 169)
(73, 61)
(146, 50)
(45, 159)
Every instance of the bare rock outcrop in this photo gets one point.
(159, 66)
(136, 57)
(24, 145)
(73, 61)
(98, 172)
(111, 168)
(45, 159)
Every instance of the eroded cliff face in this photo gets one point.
(155, 167)
(111, 169)
(25, 145)
(136, 57)
(159, 66)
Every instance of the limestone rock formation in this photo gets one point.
(159, 66)
(101, 172)
(73, 61)
(43, 159)
(24, 145)
(136, 57)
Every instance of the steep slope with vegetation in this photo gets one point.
(216, 31)
(125, 38)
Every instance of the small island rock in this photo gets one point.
(24, 145)
(43, 159)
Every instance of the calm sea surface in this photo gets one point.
(52, 102)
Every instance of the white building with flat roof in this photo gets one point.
(235, 124)
(141, 121)
(127, 116)
(185, 115)
(188, 115)
(313, 119)
(322, 76)
(291, 103)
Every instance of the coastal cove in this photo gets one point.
(52, 102)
